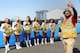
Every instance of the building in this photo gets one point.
(41, 15)
(55, 14)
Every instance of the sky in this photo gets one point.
(23, 8)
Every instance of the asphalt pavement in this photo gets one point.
(57, 47)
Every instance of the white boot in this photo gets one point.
(42, 41)
(6, 49)
(18, 45)
(35, 42)
(27, 44)
(51, 41)
(45, 40)
(30, 43)
(8, 46)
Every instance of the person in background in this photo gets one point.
(68, 28)
(17, 27)
(44, 28)
(36, 27)
(7, 31)
(52, 28)
(27, 28)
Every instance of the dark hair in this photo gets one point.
(45, 20)
(29, 19)
(36, 19)
(51, 19)
(9, 22)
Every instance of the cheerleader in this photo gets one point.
(27, 28)
(6, 27)
(52, 28)
(36, 27)
(17, 27)
(44, 28)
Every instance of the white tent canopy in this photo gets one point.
(55, 14)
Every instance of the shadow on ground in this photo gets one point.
(76, 50)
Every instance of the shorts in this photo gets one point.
(17, 33)
(6, 34)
